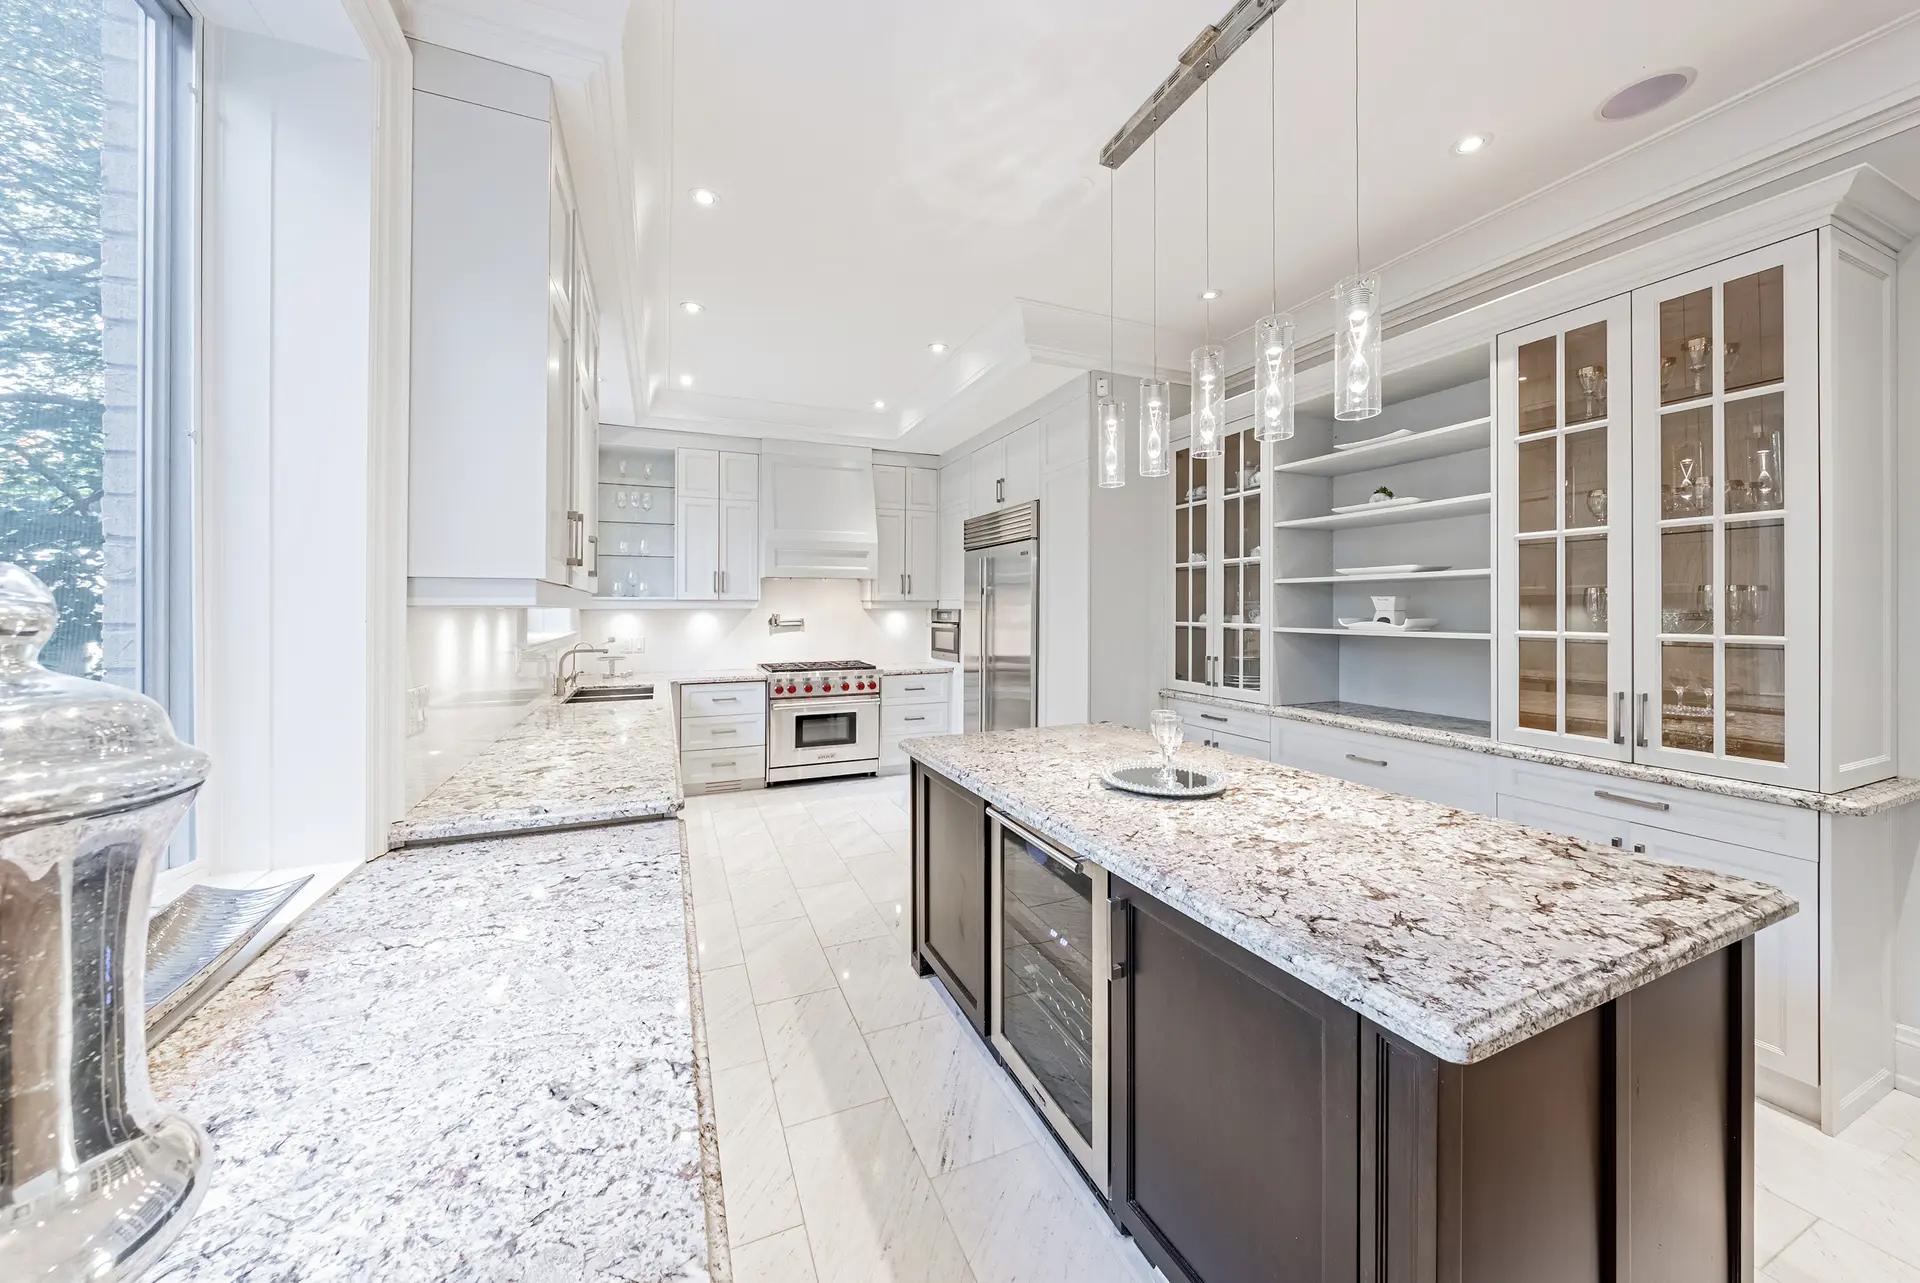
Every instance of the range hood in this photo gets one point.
(817, 518)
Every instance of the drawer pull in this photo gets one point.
(1212, 717)
(1366, 761)
(916, 719)
(1641, 802)
(725, 730)
(726, 699)
(913, 688)
(718, 765)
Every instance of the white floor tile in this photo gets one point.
(955, 1101)
(854, 837)
(1826, 1254)
(818, 1059)
(879, 984)
(733, 1027)
(784, 960)
(871, 1213)
(1020, 1221)
(756, 1178)
(1776, 1223)
(883, 875)
(785, 1257)
(841, 913)
(716, 936)
(749, 853)
(813, 865)
(767, 895)
(709, 878)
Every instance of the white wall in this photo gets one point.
(283, 450)
(1907, 935)
(710, 637)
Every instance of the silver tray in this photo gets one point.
(1144, 777)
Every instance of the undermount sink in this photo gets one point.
(609, 694)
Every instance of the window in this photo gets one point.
(94, 482)
(95, 314)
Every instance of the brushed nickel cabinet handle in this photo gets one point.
(1212, 717)
(1641, 802)
(725, 730)
(1640, 726)
(1366, 761)
(1619, 717)
(916, 719)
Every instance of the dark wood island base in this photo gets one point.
(1262, 1130)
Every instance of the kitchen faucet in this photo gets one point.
(560, 672)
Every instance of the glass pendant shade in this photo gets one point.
(1273, 378)
(1110, 443)
(1356, 348)
(1208, 368)
(1154, 435)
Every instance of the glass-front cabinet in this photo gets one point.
(1218, 552)
(1566, 564)
(1726, 541)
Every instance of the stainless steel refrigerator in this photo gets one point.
(1000, 620)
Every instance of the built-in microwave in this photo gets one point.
(944, 639)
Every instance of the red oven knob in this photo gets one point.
(809, 688)
(844, 686)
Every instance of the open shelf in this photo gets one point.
(1426, 510)
(1384, 579)
(1457, 438)
(1432, 634)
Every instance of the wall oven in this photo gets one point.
(1051, 960)
(813, 738)
(944, 635)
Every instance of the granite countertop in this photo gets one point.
(717, 676)
(1462, 933)
(562, 765)
(1477, 737)
(915, 670)
(468, 1062)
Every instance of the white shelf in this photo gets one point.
(1383, 579)
(1432, 634)
(1426, 510)
(1456, 438)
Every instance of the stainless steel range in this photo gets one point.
(823, 718)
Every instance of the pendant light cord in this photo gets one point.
(1356, 138)
(1273, 165)
(1155, 273)
(1206, 153)
(1109, 273)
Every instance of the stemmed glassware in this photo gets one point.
(1167, 733)
(1591, 380)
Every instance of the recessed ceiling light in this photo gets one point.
(1209, 294)
(936, 348)
(686, 380)
(692, 308)
(1643, 96)
(705, 197)
(879, 405)
(1471, 144)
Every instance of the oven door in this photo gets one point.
(818, 732)
(1051, 962)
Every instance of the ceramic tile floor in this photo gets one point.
(866, 1135)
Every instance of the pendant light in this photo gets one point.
(1273, 333)
(1109, 416)
(1356, 300)
(1153, 389)
(1207, 365)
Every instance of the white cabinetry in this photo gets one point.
(716, 525)
(503, 345)
(911, 704)
(1218, 562)
(904, 504)
(1006, 471)
(723, 736)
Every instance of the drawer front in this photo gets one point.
(916, 688)
(722, 732)
(1450, 777)
(893, 758)
(1244, 745)
(707, 767)
(731, 699)
(913, 719)
(1597, 829)
(1787, 830)
(1208, 720)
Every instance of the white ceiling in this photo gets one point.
(894, 174)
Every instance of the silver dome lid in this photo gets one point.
(68, 746)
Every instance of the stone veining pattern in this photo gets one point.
(1477, 737)
(565, 764)
(468, 1063)
(1461, 933)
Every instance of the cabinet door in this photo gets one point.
(696, 473)
(696, 542)
(889, 486)
(1563, 450)
(563, 528)
(739, 550)
(1021, 465)
(890, 574)
(1238, 523)
(739, 476)
(950, 890)
(988, 469)
(923, 489)
(1786, 956)
(922, 554)
(1726, 541)
(1235, 1087)
(953, 553)
(1194, 571)
(956, 480)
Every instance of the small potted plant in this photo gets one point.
(1380, 495)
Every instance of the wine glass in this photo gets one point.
(1597, 607)
(1765, 491)
(1590, 377)
(1699, 350)
(1167, 733)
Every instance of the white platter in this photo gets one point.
(1143, 776)
(1390, 436)
(1398, 501)
(1407, 569)
(1368, 626)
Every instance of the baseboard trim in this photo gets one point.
(1906, 1058)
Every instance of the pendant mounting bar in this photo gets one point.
(1197, 63)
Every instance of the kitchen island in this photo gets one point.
(1351, 1035)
